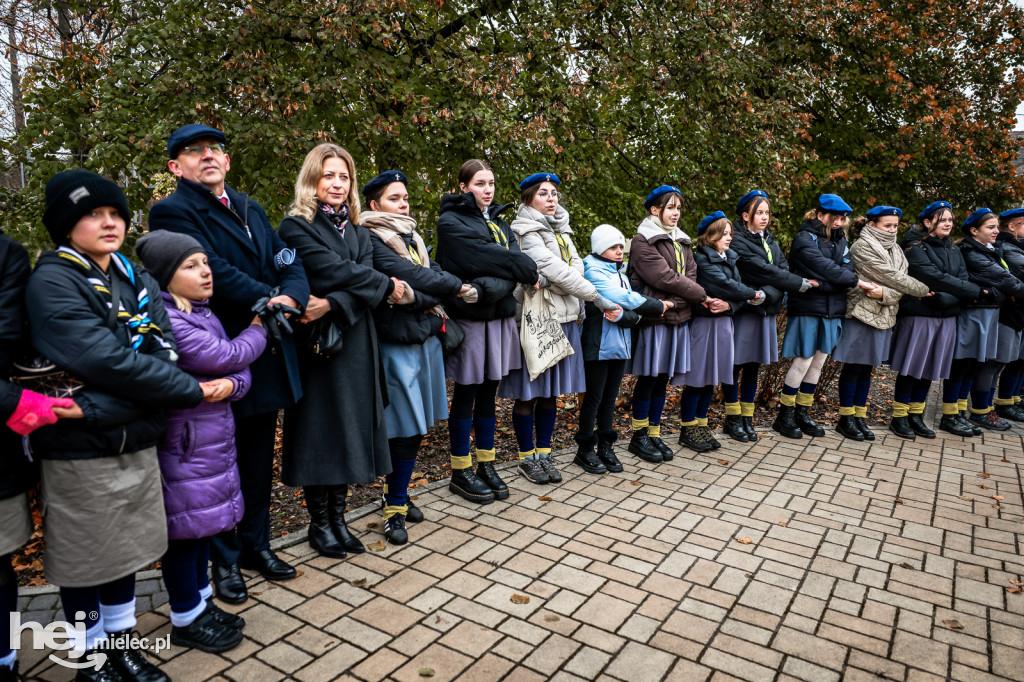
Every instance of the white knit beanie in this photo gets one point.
(605, 237)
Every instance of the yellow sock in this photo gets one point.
(804, 399)
(950, 408)
(485, 455)
(847, 411)
(640, 423)
(916, 408)
(654, 430)
(961, 404)
(693, 423)
(1004, 401)
(787, 400)
(747, 409)
(459, 463)
(733, 408)
(860, 411)
(1016, 399)
(391, 510)
(981, 410)
(543, 451)
(528, 453)
(702, 421)
(899, 409)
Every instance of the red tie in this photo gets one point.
(223, 200)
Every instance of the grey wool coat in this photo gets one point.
(336, 433)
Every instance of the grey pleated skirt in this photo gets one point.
(1008, 344)
(755, 339)
(922, 347)
(661, 349)
(102, 518)
(977, 334)
(565, 377)
(490, 351)
(711, 353)
(416, 389)
(862, 344)
(15, 523)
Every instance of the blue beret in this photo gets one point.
(833, 203)
(746, 198)
(1012, 213)
(190, 133)
(383, 180)
(975, 218)
(708, 219)
(882, 211)
(933, 207)
(537, 178)
(653, 196)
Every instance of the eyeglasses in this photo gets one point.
(544, 195)
(216, 148)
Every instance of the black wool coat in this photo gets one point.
(243, 272)
(720, 278)
(772, 278)
(336, 433)
(939, 264)
(826, 260)
(466, 248)
(1012, 312)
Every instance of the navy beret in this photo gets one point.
(882, 211)
(975, 218)
(189, 133)
(833, 203)
(653, 196)
(746, 198)
(383, 180)
(1012, 213)
(537, 178)
(933, 207)
(708, 219)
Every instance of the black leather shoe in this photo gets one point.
(485, 472)
(337, 495)
(953, 423)
(965, 417)
(748, 426)
(1011, 412)
(229, 585)
(847, 428)
(785, 425)
(641, 446)
(108, 672)
(320, 534)
(862, 425)
(733, 427)
(694, 438)
(587, 459)
(667, 453)
(232, 620)
(901, 428)
(130, 662)
(917, 425)
(267, 564)
(206, 633)
(413, 514)
(806, 423)
(606, 453)
(469, 487)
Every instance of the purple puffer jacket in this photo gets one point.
(202, 494)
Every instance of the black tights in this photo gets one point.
(603, 380)
(474, 399)
(647, 388)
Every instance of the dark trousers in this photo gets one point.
(254, 437)
(603, 380)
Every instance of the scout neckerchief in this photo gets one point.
(563, 247)
(496, 232)
(767, 249)
(680, 260)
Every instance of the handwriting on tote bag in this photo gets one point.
(544, 342)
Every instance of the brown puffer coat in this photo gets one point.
(652, 271)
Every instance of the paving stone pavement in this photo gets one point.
(860, 557)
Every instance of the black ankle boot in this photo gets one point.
(785, 424)
(336, 511)
(733, 427)
(641, 446)
(469, 487)
(917, 425)
(606, 452)
(130, 662)
(806, 423)
(486, 473)
(1011, 412)
(321, 535)
(697, 438)
(667, 453)
(952, 423)
(847, 428)
(862, 425)
(586, 457)
(901, 428)
(748, 426)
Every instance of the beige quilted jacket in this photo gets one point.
(872, 266)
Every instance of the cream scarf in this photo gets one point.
(389, 227)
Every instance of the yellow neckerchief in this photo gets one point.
(680, 259)
(767, 249)
(563, 247)
(496, 232)
(414, 254)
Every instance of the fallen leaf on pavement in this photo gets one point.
(998, 497)
(996, 506)
(984, 475)
(519, 599)
(744, 541)
(371, 524)
(966, 498)
(361, 582)
(1005, 461)
(544, 499)
(983, 486)
(376, 546)
(635, 483)
(551, 618)
(898, 501)
(783, 524)
(1018, 583)
(954, 624)
(1013, 590)
(426, 672)
(724, 462)
(908, 567)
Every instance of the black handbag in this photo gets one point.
(452, 336)
(324, 339)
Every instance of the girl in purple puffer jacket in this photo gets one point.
(201, 488)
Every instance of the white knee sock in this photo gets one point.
(186, 618)
(206, 592)
(82, 642)
(118, 617)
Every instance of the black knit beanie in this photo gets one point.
(73, 193)
(163, 252)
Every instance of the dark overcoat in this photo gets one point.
(17, 473)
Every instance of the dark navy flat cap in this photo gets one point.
(708, 219)
(383, 180)
(746, 198)
(933, 207)
(975, 218)
(833, 203)
(664, 189)
(882, 211)
(537, 178)
(190, 133)
(1012, 213)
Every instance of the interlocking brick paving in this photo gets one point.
(860, 557)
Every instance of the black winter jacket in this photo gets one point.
(939, 264)
(985, 268)
(432, 286)
(17, 473)
(720, 278)
(466, 249)
(125, 390)
(772, 278)
(826, 260)
(1012, 312)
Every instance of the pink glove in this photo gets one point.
(35, 410)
